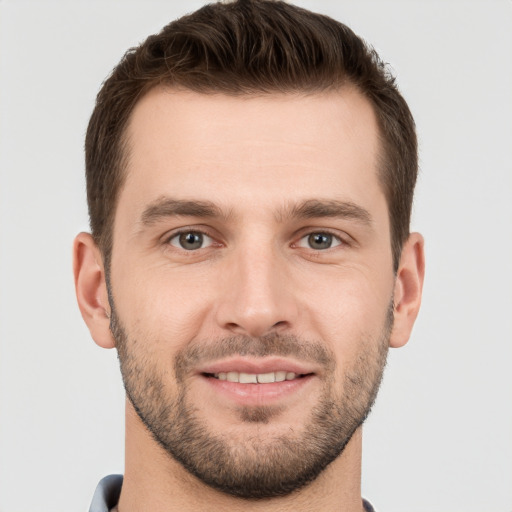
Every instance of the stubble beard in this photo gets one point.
(256, 466)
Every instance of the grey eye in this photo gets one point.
(319, 241)
(190, 240)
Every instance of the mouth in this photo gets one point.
(252, 382)
(257, 378)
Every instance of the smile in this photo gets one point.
(256, 378)
(249, 381)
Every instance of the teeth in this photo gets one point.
(280, 376)
(232, 377)
(260, 378)
(265, 378)
(247, 378)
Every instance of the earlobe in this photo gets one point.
(91, 289)
(408, 289)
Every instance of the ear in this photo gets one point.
(408, 288)
(91, 289)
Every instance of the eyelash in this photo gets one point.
(336, 237)
(340, 241)
(196, 231)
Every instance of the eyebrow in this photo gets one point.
(315, 208)
(167, 207)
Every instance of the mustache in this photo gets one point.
(268, 345)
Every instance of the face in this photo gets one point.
(251, 281)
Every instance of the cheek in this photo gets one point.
(349, 312)
(161, 305)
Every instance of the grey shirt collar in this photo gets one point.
(107, 494)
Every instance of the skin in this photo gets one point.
(256, 159)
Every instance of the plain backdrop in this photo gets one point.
(440, 437)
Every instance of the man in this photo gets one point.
(250, 173)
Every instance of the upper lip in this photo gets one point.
(257, 366)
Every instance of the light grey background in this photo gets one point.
(440, 436)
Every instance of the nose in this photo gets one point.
(257, 296)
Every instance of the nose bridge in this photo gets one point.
(256, 291)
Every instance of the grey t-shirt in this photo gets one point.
(107, 494)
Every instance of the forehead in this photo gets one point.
(251, 148)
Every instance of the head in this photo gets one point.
(246, 48)
(250, 173)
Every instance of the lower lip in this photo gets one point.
(258, 394)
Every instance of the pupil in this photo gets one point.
(191, 241)
(320, 241)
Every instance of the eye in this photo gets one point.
(319, 241)
(190, 240)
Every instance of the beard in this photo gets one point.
(257, 465)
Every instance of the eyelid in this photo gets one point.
(207, 240)
(207, 233)
(342, 237)
(304, 241)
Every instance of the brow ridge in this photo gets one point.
(315, 208)
(167, 207)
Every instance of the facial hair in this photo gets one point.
(256, 466)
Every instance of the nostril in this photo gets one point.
(255, 329)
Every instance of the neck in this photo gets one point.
(155, 481)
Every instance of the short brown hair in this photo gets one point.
(247, 47)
